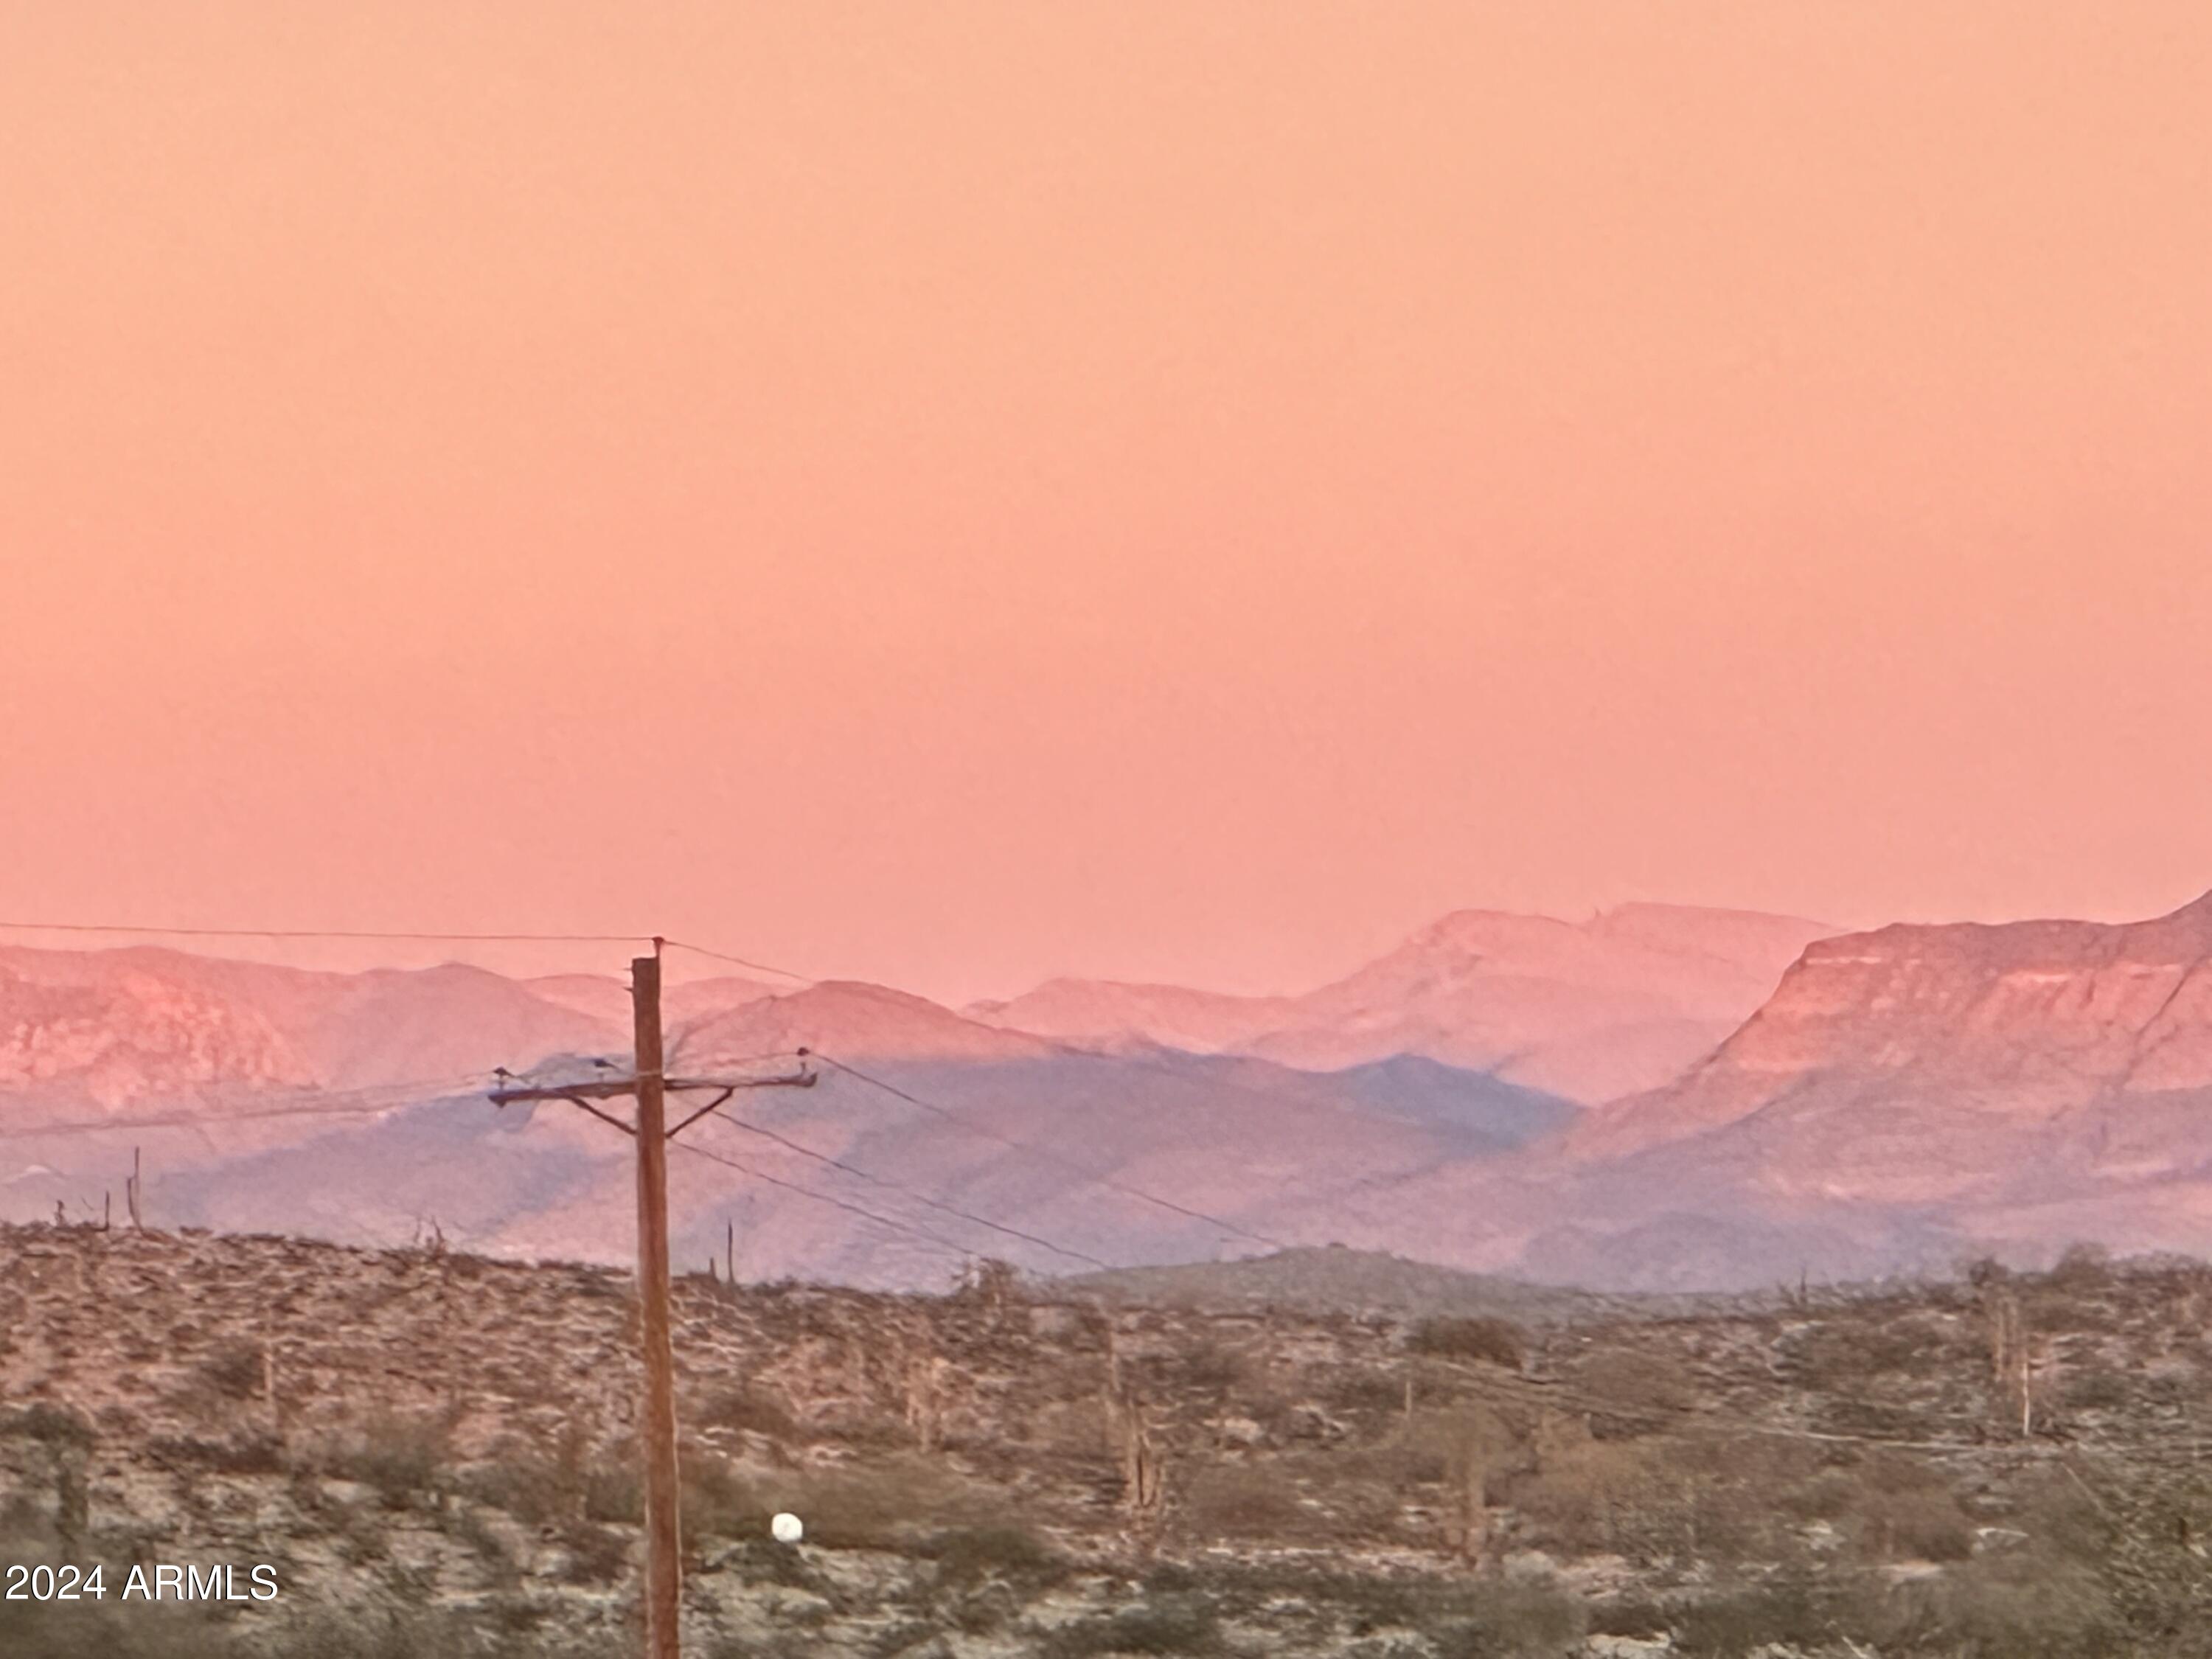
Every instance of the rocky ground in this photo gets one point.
(433, 1453)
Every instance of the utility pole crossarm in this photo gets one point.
(616, 1088)
(583, 1094)
(800, 1079)
(621, 1087)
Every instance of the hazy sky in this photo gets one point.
(952, 493)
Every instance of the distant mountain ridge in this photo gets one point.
(222, 1073)
(1567, 1009)
(114, 1029)
(1111, 1012)
(1916, 1092)
(1588, 1011)
(2020, 1021)
(1895, 1100)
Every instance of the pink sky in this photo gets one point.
(948, 493)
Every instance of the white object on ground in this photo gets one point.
(786, 1529)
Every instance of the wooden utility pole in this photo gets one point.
(664, 1558)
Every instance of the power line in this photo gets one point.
(325, 933)
(328, 1105)
(1333, 1109)
(865, 1214)
(741, 962)
(408, 1087)
(919, 1198)
(403, 935)
(723, 1063)
(1035, 1151)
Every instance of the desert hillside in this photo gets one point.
(433, 1452)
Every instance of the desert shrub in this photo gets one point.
(1469, 1442)
(568, 1482)
(2096, 1387)
(1825, 1496)
(400, 1458)
(1715, 1522)
(1903, 1510)
(1647, 1388)
(717, 1503)
(596, 1554)
(93, 1630)
(1363, 1490)
(518, 1612)
(526, 1486)
(760, 1561)
(246, 1453)
(1641, 1617)
(1839, 1352)
(613, 1489)
(1589, 1494)
(110, 1630)
(468, 1526)
(869, 1508)
(1731, 1494)
(2082, 1268)
(233, 1372)
(55, 1425)
(22, 1518)
(1788, 1611)
(751, 1409)
(907, 1636)
(1241, 1500)
(2077, 1294)
(1925, 1526)
(1707, 1500)
(1068, 1429)
(412, 1632)
(1516, 1618)
(1173, 1624)
(2014, 1607)
(1207, 1365)
(571, 1485)
(1366, 1391)
(850, 1512)
(969, 1555)
(1373, 1604)
(1497, 1342)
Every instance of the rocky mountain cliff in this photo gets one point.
(1908, 1097)
(2020, 1023)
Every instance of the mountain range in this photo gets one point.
(1659, 1097)
(1588, 1011)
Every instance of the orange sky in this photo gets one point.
(951, 492)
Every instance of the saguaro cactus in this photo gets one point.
(2011, 1359)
